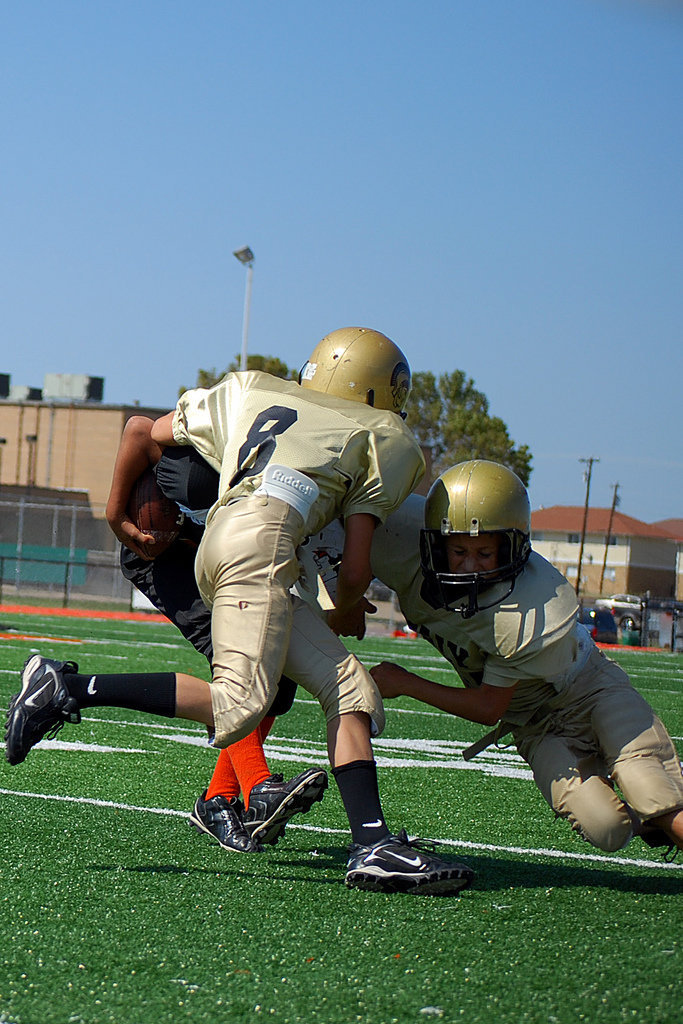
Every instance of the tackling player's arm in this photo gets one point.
(347, 618)
(485, 704)
(162, 430)
(137, 451)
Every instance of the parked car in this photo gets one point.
(600, 623)
(626, 609)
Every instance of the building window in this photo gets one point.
(573, 538)
(571, 572)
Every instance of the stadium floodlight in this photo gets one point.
(246, 257)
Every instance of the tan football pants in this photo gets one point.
(603, 734)
(245, 566)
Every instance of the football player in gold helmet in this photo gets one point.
(291, 459)
(506, 619)
(477, 522)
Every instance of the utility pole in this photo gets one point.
(615, 502)
(587, 476)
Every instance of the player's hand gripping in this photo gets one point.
(128, 533)
(351, 622)
(136, 452)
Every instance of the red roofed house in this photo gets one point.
(674, 527)
(639, 556)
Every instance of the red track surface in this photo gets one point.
(81, 613)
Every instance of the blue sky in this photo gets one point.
(497, 185)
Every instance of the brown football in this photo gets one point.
(152, 512)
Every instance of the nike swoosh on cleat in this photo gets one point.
(30, 701)
(413, 862)
(92, 689)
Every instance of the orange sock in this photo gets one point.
(242, 765)
(224, 780)
(249, 761)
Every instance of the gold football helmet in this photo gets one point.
(473, 498)
(361, 365)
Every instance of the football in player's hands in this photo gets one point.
(154, 513)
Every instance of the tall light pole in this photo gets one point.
(245, 256)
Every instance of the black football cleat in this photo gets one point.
(399, 864)
(222, 819)
(657, 838)
(41, 707)
(273, 802)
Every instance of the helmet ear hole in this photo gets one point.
(371, 396)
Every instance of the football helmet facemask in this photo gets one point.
(474, 498)
(361, 365)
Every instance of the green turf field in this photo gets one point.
(115, 910)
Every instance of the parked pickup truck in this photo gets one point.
(625, 608)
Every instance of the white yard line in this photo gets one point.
(455, 843)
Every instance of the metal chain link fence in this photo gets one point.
(62, 553)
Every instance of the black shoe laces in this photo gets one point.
(422, 845)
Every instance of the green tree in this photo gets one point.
(450, 417)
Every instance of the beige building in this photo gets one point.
(62, 445)
(674, 527)
(639, 557)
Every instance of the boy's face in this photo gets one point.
(473, 554)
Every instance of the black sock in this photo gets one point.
(357, 782)
(154, 692)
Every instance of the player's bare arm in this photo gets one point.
(486, 704)
(137, 451)
(347, 618)
(162, 430)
